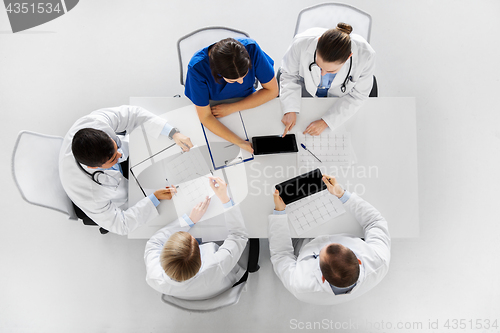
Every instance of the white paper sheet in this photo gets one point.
(332, 148)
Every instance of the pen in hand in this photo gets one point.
(215, 183)
(303, 146)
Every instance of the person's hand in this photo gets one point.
(222, 110)
(246, 146)
(316, 127)
(165, 193)
(332, 185)
(220, 190)
(289, 120)
(182, 141)
(198, 210)
(279, 205)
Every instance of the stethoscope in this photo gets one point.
(343, 86)
(95, 177)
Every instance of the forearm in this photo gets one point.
(215, 126)
(376, 230)
(281, 249)
(259, 97)
(343, 109)
(128, 117)
(112, 218)
(280, 241)
(230, 252)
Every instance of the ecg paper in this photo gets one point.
(189, 172)
(330, 148)
(314, 210)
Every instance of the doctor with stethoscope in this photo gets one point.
(326, 63)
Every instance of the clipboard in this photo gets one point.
(187, 170)
(222, 152)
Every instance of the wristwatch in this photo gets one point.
(172, 132)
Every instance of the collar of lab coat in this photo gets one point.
(341, 74)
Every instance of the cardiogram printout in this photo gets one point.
(332, 148)
(187, 170)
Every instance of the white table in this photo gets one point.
(383, 136)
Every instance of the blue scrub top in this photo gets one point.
(201, 86)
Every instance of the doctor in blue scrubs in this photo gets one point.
(227, 69)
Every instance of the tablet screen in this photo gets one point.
(274, 144)
(301, 186)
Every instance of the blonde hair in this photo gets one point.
(180, 257)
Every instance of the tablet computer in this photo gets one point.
(274, 144)
(301, 186)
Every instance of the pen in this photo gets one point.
(177, 186)
(303, 146)
(216, 185)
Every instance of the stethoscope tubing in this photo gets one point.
(344, 84)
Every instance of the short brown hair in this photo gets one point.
(180, 257)
(229, 59)
(340, 267)
(335, 44)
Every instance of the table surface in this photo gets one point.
(383, 135)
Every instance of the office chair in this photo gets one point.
(227, 298)
(328, 15)
(196, 40)
(35, 169)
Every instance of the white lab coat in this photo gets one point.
(295, 68)
(108, 207)
(219, 265)
(302, 275)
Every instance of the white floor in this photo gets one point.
(59, 276)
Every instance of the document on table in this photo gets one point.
(332, 148)
(222, 152)
(188, 171)
(310, 212)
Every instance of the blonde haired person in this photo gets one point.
(178, 266)
(326, 63)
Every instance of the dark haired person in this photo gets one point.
(178, 266)
(227, 69)
(92, 176)
(331, 63)
(331, 269)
